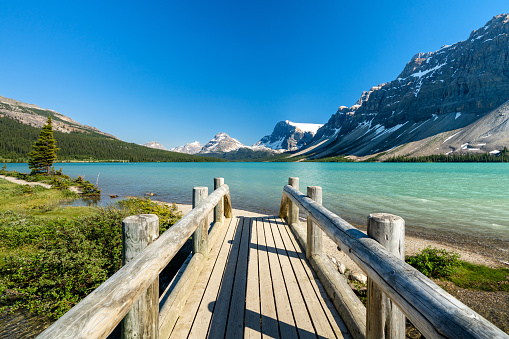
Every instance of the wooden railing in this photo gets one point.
(434, 312)
(134, 285)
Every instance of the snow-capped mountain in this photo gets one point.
(289, 136)
(437, 92)
(189, 148)
(155, 144)
(222, 142)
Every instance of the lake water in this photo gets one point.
(469, 198)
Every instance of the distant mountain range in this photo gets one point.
(437, 95)
(20, 125)
(286, 136)
(451, 101)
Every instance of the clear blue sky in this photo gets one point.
(179, 71)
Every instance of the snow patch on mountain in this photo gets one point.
(154, 144)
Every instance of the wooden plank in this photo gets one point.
(100, 312)
(334, 318)
(216, 262)
(267, 302)
(346, 302)
(286, 321)
(432, 310)
(235, 327)
(252, 317)
(299, 307)
(220, 313)
(322, 324)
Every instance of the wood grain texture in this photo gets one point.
(171, 303)
(219, 210)
(336, 322)
(345, 301)
(98, 314)
(252, 314)
(293, 209)
(200, 236)
(142, 321)
(314, 233)
(384, 319)
(432, 310)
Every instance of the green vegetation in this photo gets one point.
(339, 158)
(44, 152)
(441, 264)
(375, 158)
(48, 263)
(503, 156)
(435, 262)
(17, 140)
(242, 154)
(57, 180)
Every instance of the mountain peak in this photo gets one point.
(189, 148)
(288, 135)
(436, 92)
(154, 144)
(221, 142)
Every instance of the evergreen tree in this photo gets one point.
(44, 150)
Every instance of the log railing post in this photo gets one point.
(383, 318)
(219, 209)
(200, 236)
(293, 210)
(314, 233)
(142, 321)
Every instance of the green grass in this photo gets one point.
(481, 277)
(441, 264)
(51, 257)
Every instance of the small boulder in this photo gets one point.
(341, 268)
(359, 277)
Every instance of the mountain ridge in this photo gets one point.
(436, 92)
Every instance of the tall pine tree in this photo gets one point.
(44, 151)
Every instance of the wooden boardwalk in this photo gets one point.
(257, 283)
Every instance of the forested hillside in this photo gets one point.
(16, 141)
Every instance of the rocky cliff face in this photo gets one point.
(436, 92)
(189, 148)
(36, 116)
(289, 136)
(154, 144)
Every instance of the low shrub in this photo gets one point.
(435, 262)
(68, 258)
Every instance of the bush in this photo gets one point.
(168, 214)
(52, 265)
(435, 262)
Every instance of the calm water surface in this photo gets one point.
(467, 198)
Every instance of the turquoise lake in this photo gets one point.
(468, 198)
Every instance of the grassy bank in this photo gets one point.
(52, 256)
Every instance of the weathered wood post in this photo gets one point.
(314, 235)
(142, 321)
(200, 236)
(219, 209)
(383, 318)
(293, 210)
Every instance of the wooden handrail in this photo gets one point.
(433, 311)
(98, 314)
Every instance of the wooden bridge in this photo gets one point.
(256, 276)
